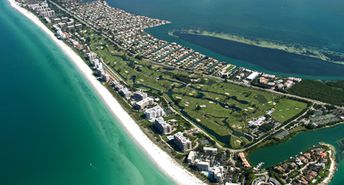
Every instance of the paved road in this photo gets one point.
(231, 81)
(114, 75)
(191, 122)
(274, 131)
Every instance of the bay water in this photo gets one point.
(307, 23)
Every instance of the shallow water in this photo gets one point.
(54, 129)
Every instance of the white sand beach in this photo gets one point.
(332, 169)
(162, 160)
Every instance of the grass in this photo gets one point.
(224, 104)
(287, 109)
(220, 108)
(226, 108)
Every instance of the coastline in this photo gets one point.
(161, 159)
(332, 169)
(258, 65)
(294, 49)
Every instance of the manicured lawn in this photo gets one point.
(287, 109)
(223, 109)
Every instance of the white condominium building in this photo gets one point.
(182, 142)
(162, 127)
(154, 112)
(144, 103)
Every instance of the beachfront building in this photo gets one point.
(202, 165)
(42, 9)
(36, 4)
(30, 1)
(216, 174)
(118, 86)
(91, 56)
(140, 105)
(139, 95)
(161, 126)
(182, 142)
(154, 112)
(125, 92)
(191, 157)
(47, 13)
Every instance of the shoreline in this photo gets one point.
(332, 169)
(160, 158)
(254, 66)
(297, 49)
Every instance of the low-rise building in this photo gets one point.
(257, 122)
(210, 150)
(244, 161)
(252, 76)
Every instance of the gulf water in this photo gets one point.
(54, 129)
(309, 23)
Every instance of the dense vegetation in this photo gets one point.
(327, 91)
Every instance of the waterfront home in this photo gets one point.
(252, 76)
(244, 161)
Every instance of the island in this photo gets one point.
(206, 114)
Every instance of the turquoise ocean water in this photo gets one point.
(54, 129)
(309, 23)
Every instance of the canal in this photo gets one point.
(274, 154)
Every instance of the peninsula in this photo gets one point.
(195, 116)
(322, 54)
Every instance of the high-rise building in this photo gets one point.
(144, 103)
(154, 112)
(139, 95)
(161, 126)
(182, 142)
